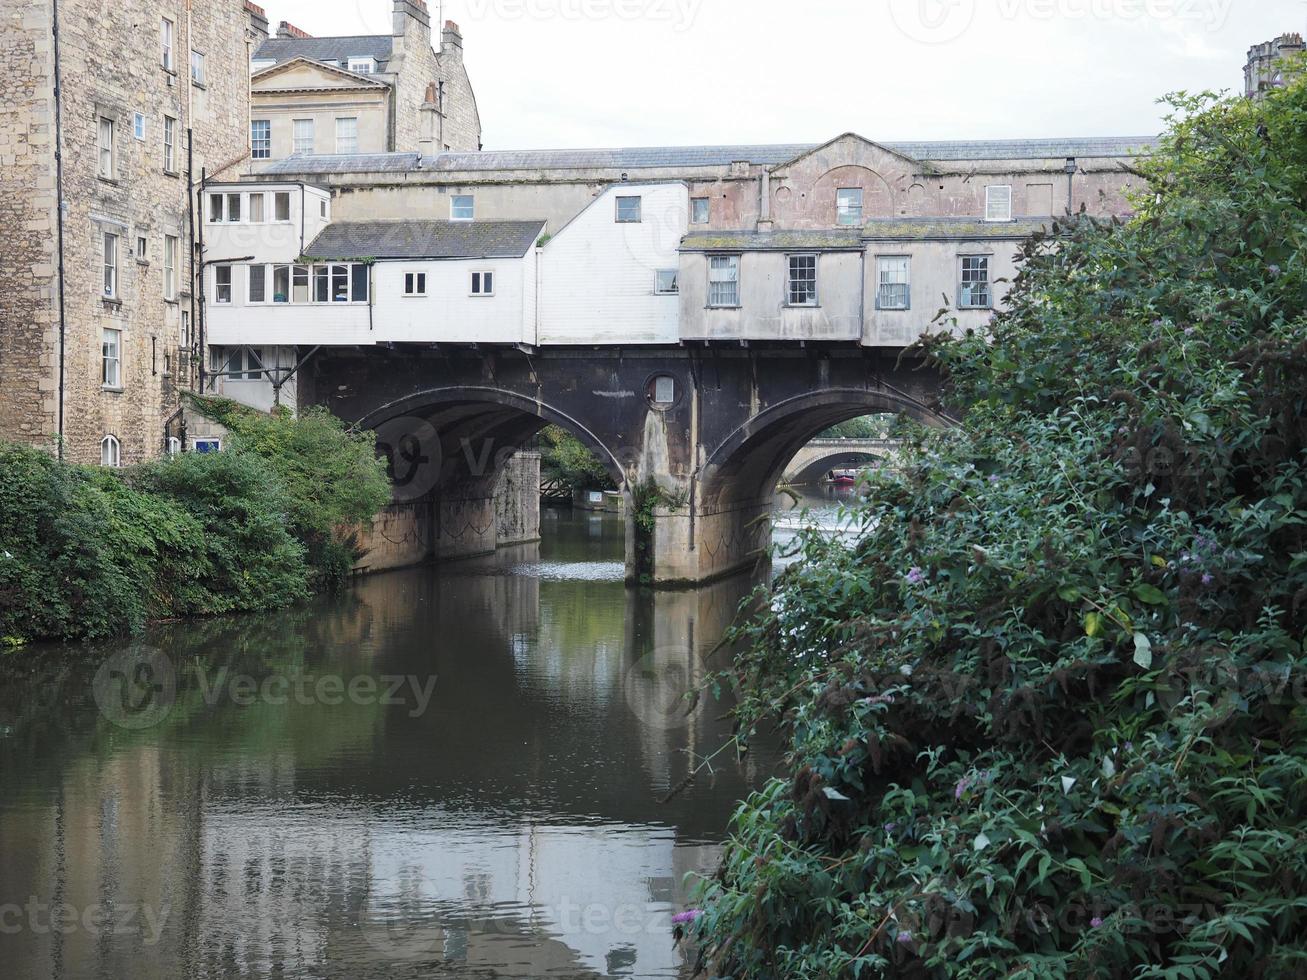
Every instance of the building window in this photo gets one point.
(111, 452)
(169, 267)
(138, 125)
(662, 390)
(281, 206)
(462, 207)
(167, 30)
(322, 209)
(197, 68)
(628, 210)
(233, 208)
(258, 208)
(724, 280)
(169, 144)
(206, 447)
(363, 66)
(281, 284)
(974, 292)
(299, 292)
(142, 248)
(261, 139)
(802, 289)
(699, 210)
(216, 208)
(347, 134)
(186, 330)
(666, 282)
(998, 202)
(258, 284)
(415, 284)
(222, 284)
(111, 358)
(848, 206)
(303, 130)
(483, 284)
(110, 266)
(894, 289)
(174, 446)
(236, 363)
(106, 148)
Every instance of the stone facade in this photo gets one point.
(127, 102)
(404, 94)
(1266, 63)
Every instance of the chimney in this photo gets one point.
(410, 14)
(288, 30)
(258, 19)
(451, 39)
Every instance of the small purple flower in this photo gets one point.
(1274, 270)
(1095, 923)
(903, 938)
(916, 576)
(1208, 578)
(993, 478)
(684, 918)
(1189, 331)
(963, 785)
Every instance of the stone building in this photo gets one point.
(1266, 63)
(364, 94)
(115, 110)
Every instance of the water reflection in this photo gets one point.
(511, 826)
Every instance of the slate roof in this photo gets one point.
(787, 241)
(684, 157)
(425, 240)
(938, 229)
(376, 46)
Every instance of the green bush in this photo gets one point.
(564, 458)
(1046, 717)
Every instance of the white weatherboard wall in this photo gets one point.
(271, 324)
(449, 313)
(597, 275)
(269, 240)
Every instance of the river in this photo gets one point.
(476, 771)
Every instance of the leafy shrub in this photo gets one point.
(564, 458)
(1047, 716)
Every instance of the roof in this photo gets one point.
(379, 47)
(685, 157)
(709, 241)
(928, 229)
(426, 240)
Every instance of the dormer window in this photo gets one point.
(363, 66)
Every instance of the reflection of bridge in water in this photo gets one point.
(820, 456)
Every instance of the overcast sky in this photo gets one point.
(603, 73)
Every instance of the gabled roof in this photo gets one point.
(378, 47)
(328, 71)
(425, 240)
(850, 136)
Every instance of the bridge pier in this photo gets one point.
(693, 545)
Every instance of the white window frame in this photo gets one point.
(627, 200)
(278, 199)
(363, 66)
(235, 208)
(138, 125)
(848, 211)
(695, 203)
(174, 446)
(169, 145)
(111, 358)
(219, 285)
(261, 145)
(142, 248)
(105, 138)
(171, 255)
(347, 144)
(197, 68)
(168, 38)
(964, 282)
(661, 285)
(300, 143)
(462, 212)
(111, 453)
(415, 283)
(718, 263)
(887, 280)
(109, 254)
(217, 208)
(998, 202)
(476, 286)
(258, 201)
(262, 277)
(791, 282)
(197, 443)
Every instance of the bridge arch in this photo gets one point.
(812, 472)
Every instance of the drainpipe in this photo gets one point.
(198, 322)
(59, 205)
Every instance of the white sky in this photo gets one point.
(606, 73)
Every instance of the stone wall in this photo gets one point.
(112, 68)
(426, 120)
(517, 500)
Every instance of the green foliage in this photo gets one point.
(865, 427)
(1048, 715)
(87, 553)
(564, 458)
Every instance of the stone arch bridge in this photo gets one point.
(811, 464)
(697, 436)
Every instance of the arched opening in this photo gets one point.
(809, 472)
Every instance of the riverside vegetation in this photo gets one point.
(1046, 716)
(88, 553)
